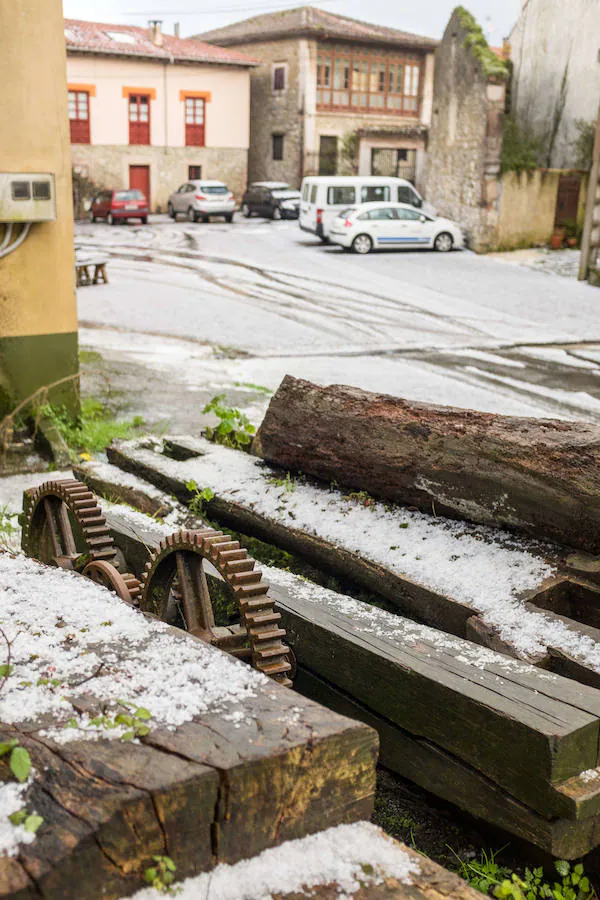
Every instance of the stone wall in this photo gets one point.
(463, 160)
(108, 167)
(556, 80)
(275, 112)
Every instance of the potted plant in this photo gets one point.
(572, 233)
(558, 236)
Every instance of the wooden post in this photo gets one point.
(590, 204)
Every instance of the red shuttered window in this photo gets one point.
(79, 117)
(194, 121)
(139, 119)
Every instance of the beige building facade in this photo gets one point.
(333, 96)
(151, 111)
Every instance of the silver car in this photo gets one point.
(201, 200)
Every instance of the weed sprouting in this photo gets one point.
(93, 429)
(234, 428)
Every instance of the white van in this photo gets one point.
(324, 196)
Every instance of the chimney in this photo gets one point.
(155, 26)
(176, 29)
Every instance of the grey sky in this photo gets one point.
(427, 17)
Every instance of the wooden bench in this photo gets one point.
(83, 275)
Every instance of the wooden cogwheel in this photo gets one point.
(65, 527)
(175, 588)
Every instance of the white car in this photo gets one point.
(202, 199)
(376, 225)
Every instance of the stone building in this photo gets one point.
(555, 51)
(150, 110)
(465, 147)
(333, 95)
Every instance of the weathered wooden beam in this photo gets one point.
(541, 476)
(467, 727)
(218, 788)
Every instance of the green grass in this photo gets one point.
(94, 428)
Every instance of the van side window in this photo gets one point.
(336, 196)
(313, 194)
(407, 195)
(372, 193)
(305, 192)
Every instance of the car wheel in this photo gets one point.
(144, 220)
(205, 219)
(362, 243)
(246, 211)
(191, 214)
(171, 211)
(110, 219)
(443, 242)
(276, 214)
(229, 217)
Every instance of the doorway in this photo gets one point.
(139, 180)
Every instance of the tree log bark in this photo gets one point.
(540, 476)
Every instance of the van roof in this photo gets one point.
(352, 179)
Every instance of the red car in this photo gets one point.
(118, 206)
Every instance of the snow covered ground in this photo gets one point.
(199, 309)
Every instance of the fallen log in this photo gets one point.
(540, 476)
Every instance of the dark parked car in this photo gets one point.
(118, 206)
(273, 199)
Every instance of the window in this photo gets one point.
(79, 117)
(338, 195)
(194, 121)
(328, 154)
(121, 37)
(194, 173)
(279, 79)
(386, 213)
(407, 195)
(131, 194)
(277, 153)
(305, 192)
(313, 194)
(408, 214)
(139, 119)
(374, 192)
(369, 80)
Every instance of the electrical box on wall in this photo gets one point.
(27, 197)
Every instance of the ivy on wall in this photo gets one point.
(491, 64)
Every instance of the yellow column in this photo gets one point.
(38, 313)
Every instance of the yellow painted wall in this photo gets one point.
(37, 293)
(528, 207)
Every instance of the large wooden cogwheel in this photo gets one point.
(65, 527)
(175, 588)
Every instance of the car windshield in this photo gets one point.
(286, 195)
(129, 195)
(345, 212)
(214, 189)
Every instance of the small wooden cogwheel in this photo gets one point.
(175, 588)
(65, 527)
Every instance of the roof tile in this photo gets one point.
(317, 22)
(94, 37)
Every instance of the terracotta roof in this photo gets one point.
(95, 38)
(307, 20)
